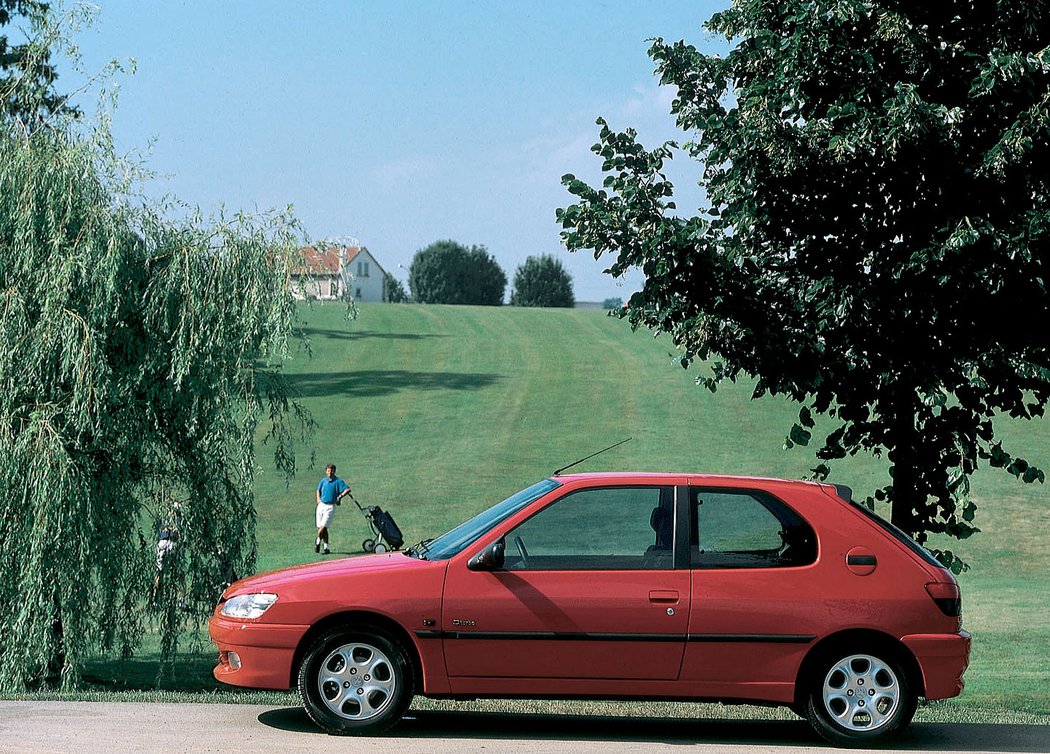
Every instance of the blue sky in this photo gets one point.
(398, 123)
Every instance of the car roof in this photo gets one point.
(728, 480)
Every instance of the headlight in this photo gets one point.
(248, 605)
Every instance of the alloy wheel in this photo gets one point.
(356, 681)
(861, 693)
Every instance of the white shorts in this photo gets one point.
(324, 514)
(164, 547)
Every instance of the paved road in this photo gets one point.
(87, 727)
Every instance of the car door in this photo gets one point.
(588, 590)
(753, 615)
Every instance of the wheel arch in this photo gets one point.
(358, 619)
(853, 639)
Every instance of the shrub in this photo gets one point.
(447, 272)
(542, 281)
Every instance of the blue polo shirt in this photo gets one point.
(330, 491)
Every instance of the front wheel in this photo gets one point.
(355, 682)
(858, 698)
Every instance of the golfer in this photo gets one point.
(330, 492)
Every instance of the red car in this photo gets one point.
(618, 586)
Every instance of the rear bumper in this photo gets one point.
(942, 659)
(265, 652)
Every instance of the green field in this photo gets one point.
(436, 412)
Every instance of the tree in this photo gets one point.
(542, 281)
(138, 356)
(26, 75)
(875, 243)
(612, 303)
(395, 290)
(446, 272)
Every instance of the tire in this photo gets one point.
(380, 547)
(356, 682)
(859, 697)
(369, 545)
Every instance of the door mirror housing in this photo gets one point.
(489, 559)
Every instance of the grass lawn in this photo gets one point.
(436, 412)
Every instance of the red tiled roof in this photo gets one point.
(327, 260)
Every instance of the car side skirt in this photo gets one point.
(575, 688)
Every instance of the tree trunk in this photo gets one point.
(57, 652)
(906, 497)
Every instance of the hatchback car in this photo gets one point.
(617, 586)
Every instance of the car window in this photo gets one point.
(604, 528)
(746, 529)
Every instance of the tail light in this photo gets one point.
(947, 597)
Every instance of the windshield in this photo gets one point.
(463, 535)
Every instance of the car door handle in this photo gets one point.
(663, 595)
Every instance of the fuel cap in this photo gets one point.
(861, 560)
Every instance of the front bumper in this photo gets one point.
(942, 659)
(266, 651)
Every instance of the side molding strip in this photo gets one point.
(552, 636)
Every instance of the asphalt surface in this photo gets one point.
(87, 727)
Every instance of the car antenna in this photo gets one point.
(592, 455)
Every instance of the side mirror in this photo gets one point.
(489, 559)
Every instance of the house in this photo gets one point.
(334, 272)
(321, 275)
(368, 279)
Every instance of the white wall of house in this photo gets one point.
(365, 277)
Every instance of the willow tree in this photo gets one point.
(138, 358)
(876, 238)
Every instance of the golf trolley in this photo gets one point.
(385, 533)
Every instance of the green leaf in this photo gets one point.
(799, 435)
(821, 472)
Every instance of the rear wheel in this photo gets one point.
(369, 545)
(380, 547)
(355, 682)
(857, 698)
